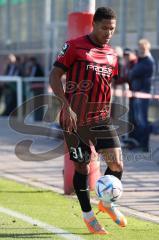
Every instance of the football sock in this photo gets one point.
(88, 215)
(114, 173)
(80, 183)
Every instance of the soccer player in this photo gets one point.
(90, 64)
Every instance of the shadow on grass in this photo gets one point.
(38, 191)
(26, 235)
(41, 235)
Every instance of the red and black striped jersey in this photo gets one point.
(89, 71)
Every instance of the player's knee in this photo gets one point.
(117, 166)
(82, 168)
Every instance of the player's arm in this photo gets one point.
(56, 84)
(62, 64)
(115, 74)
(69, 118)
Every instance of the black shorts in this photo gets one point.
(103, 135)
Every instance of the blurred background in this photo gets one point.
(39, 27)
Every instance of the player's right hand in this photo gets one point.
(69, 119)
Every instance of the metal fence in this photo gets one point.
(28, 96)
(23, 88)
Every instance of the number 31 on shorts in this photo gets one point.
(78, 155)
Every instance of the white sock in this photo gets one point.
(88, 215)
(106, 204)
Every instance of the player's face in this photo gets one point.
(103, 30)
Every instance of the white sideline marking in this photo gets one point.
(57, 231)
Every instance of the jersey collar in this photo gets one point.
(95, 44)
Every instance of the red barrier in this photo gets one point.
(68, 172)
(94, 168)
(80, 23)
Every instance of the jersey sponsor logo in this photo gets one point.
(96, 54)
(64, 50)
(110, 59)
(105, 71)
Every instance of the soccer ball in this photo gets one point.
(109, 188)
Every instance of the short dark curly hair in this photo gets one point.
(104, 13)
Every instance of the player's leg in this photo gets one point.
(113, 158)
(79, 154)
(80, 182)
(108, 144)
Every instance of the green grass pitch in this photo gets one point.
(59, 211)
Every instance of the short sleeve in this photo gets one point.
(66, 57)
